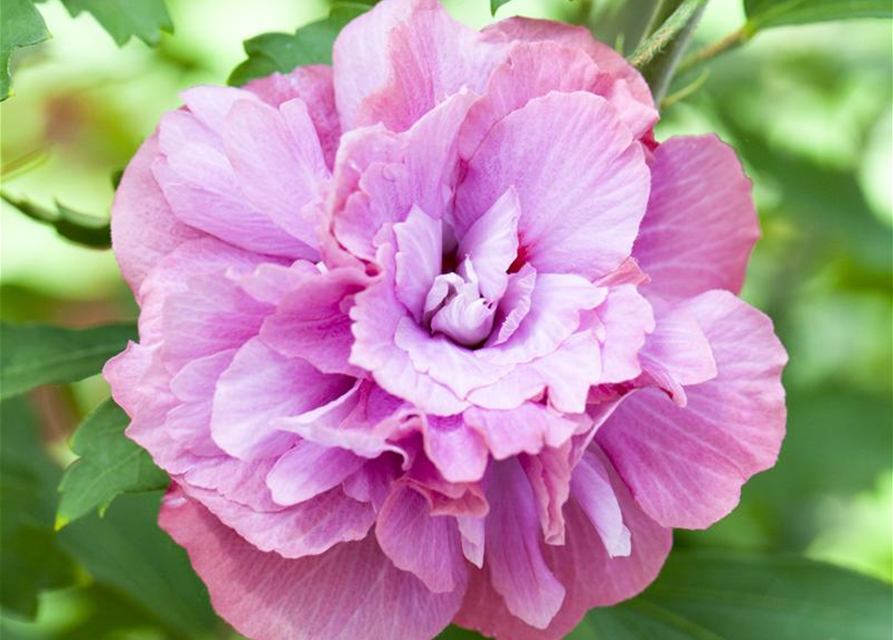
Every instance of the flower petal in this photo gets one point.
(581, 181)
(352, 591)
(685, 467)
(701, 223)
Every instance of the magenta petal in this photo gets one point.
(591, 577)
(268, 597)
(425, 545)
(581, 181)
(701, 223)
(685, 467)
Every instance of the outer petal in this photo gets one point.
(312, 84)
(399, 60)
(143, 227)
(425, 545)
(701, 224)
(685, 467)
(199, 182)
(625, 88)
(278, 162)
(515, 562)
(590, 576)
(352, 591)
(581, 181)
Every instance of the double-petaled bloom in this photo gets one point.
(440, 333)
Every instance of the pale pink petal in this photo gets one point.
(418, 259)
(531, 70)
(678, 353)
(701, 224)
(514, 306)
(425, 545)
(277, 162)
(350, 592)
(581, 181)
(311, 321)
(306, 529)
(492, 244)
(624, 79)
(473, 533)
(549, 474)
(685, 467)
(627, 319)
(143, 227)
(525, 429)
(458, 452)
(376, 316)
(399, 60)
(260, 385)
(380, 175)
(313, 85)
(556, 303)
(199, 183)
(592, 490)
(309, 469)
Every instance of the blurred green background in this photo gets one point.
(807, 108)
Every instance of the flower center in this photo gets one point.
(454, 307)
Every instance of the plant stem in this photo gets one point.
(659, 55)
(731, 41)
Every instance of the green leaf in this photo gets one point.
(110, 464)
(35, 354)
(715, 596)
(282, 52)
(123, 19)
(762, 14)
(78, 227)
(22, 26)
(495, 4)
(30, 561)
(128, 551)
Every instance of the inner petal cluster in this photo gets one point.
(455, 307)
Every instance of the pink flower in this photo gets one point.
(440, 334)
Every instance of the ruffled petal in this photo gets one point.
(685, 467)
(352, 591)
(581, 181)
(701, 223)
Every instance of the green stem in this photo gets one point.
(670, 27)
(731, 41)
(658, 57)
